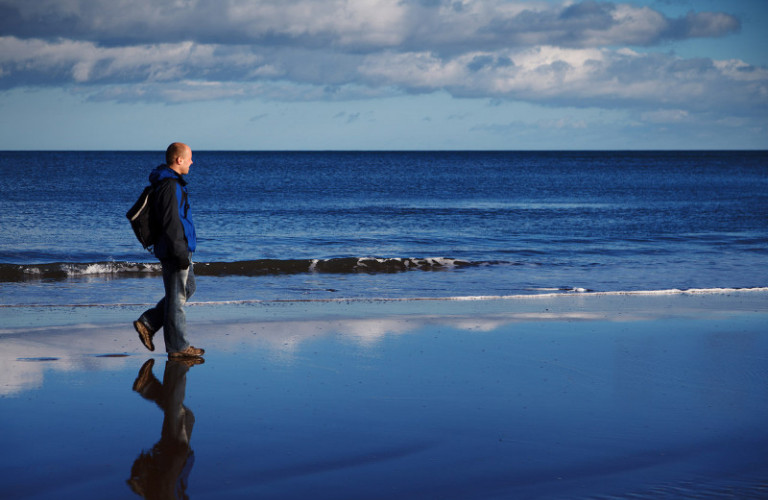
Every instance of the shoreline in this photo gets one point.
(41, 315)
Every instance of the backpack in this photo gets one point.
(140, 220)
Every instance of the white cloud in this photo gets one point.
(665, 116)
(86, 62)
(597, 77)
(579, 77)
(573, 54)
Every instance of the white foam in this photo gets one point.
(441, 261)
(566, 293)
(90, 269)
(101, 268)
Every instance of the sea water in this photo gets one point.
(575, 398)
(314, 226)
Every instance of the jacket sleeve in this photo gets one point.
(167, 204)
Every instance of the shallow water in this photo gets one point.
(563, 403)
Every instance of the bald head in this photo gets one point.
(174, 151)
(178, 157)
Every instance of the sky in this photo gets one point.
(383, 74)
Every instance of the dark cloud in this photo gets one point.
(703, 25)
(593, 14)
(416, 25)
(594, 24)
(489, 62)
(570, 26)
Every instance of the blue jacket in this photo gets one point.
(171, 214)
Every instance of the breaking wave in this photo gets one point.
(69, 270)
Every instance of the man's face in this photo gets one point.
(185, 162)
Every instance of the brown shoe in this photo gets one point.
(144, 334)
(189, 352)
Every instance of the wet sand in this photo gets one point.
(581, 396)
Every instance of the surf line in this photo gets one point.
(671, 291)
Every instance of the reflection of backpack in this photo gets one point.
(139, 217)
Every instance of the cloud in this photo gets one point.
(546, 74)
(703, 25)
(360, 25)
(517, 127)
(580, 78)
(191, 50)
(65, 61)
(666, 116)
(348, 117)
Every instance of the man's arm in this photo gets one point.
(170, 223)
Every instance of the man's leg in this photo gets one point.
(179, 286)
(155, 317)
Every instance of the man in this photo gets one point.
(176, 241)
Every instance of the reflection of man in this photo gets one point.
(162, 472)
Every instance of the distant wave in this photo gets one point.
(69, 270)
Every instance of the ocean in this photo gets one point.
(317, 226)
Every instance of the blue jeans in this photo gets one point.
(168, 314)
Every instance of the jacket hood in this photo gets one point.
(162, 172)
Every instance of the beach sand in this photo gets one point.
(570, 396)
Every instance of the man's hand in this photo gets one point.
(183, 262)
